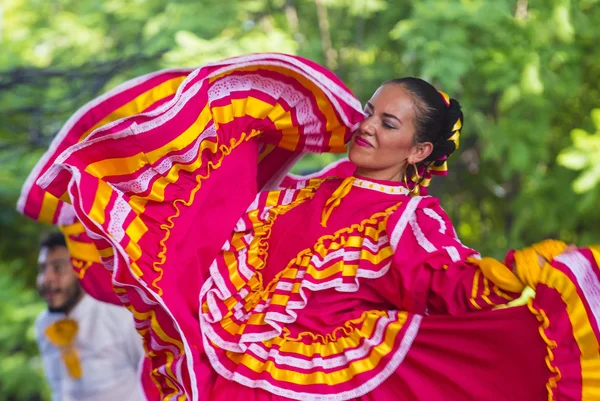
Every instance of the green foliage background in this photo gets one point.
(526, 71)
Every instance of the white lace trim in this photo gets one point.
(218, 291)
(59, 138)
(356, 392)
(408, 212)
(183, 96)
(75, 182)
(434, 215)
(421, 239)
(453, 253)
(586, 279)
(328, 363)
(142, 182)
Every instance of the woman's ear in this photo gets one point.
(420, 152)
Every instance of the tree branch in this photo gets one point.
(328, 51)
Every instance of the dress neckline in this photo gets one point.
(387, 187)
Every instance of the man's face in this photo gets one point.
(56, 280)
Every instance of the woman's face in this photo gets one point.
(384, 142)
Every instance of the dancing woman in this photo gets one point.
(336, 288)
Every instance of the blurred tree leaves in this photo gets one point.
(584, 155)
(525, 71)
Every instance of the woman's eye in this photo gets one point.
(386, 125)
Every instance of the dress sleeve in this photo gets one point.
(435, 270)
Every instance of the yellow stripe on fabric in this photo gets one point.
(72, 229)
(331, 270)
(486, 292)
(280, 299)
(136, 229)
(157, 193)
(475, 289)
(106, 253)
(85, 251)
(135, 252)
(333, 378)
(103, 194)
(48, 208)
(290, 137)
(273, 198)
(266, 151)
(234, 275)
(66, 197)
(138, 204)
(342, 338)
(248, 106)
(136, 270)
(354, 330)
(499, 274)
(170, 357)
(596, 253)
(116, 166)
(140, 103)
(332, 123)
(80, 267)
(130, 164)
(582, 329)
(502, 294)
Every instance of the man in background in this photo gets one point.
(90, 349)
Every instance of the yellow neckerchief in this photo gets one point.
(336, 198)
(62, 334)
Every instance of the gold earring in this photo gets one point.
(405, 176)
(416, 172)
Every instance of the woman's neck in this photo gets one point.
(380, 175)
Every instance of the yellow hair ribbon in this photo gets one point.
(446, 97)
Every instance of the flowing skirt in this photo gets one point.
(160, 192)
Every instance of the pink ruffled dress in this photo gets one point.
(320, 289)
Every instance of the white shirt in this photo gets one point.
(110, 351)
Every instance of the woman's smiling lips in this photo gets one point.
(362, 142)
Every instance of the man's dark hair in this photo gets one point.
(53, 240)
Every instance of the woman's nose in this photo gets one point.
(368, 127)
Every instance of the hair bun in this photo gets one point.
(454, 115)
(441, 151)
